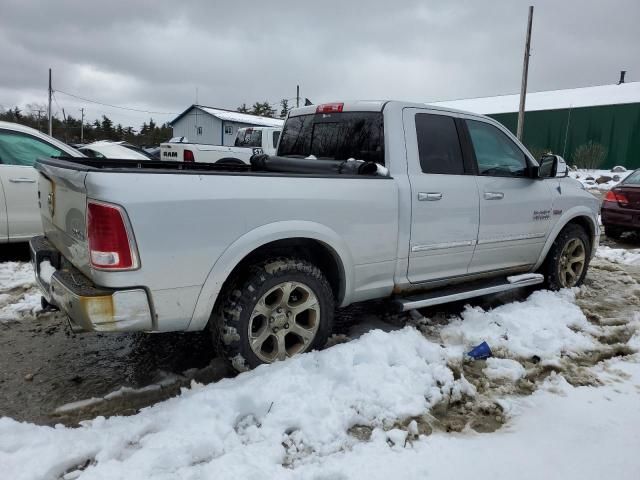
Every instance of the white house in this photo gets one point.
(216, 126)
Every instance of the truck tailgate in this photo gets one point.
(63, 201)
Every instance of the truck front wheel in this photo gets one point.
(568, 259)
(283, 307)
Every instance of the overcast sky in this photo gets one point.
(152, 55)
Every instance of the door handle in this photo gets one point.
(22, 180)
(493, 195)
(429, 196)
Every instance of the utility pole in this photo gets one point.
(39, 112)
(64, 117)
(525, 74)
(50, 93)
(82, 125)
(297, 96)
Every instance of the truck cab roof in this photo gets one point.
(373, 106)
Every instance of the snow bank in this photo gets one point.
(504, 369)
(239, 425)
(583, 175)
(19, 298)
(297, 413)
(619, 255)
(546, 325)
(16, 275)
(560, 432)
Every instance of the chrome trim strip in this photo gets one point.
(510, 238)
(412, 304)
(441, 246)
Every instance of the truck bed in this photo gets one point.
(189, 220)
(139, 166)
(193, 168)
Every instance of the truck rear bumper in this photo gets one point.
(88, 307)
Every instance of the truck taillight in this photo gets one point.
(187, 156)
(330, 108)
(109, 245)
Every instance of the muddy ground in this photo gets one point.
(50, 375)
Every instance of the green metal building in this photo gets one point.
(562, 120)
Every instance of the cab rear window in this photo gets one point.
(249, 137)
(334, 136)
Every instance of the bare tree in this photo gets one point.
(589, 155)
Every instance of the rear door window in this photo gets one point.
(438, 144)
(334, 136)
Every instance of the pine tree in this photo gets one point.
(107, 128)
(284, 103)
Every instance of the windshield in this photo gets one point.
(138, 150)
(334, 136)
(248, 137)
(633, 179)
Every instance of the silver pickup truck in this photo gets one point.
(263, 254)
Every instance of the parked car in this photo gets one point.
(262, 255)
(119, 150)
(249, 141)
(20, 146)
(153, 152)
(620, 211)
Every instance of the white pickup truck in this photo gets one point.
(263, 253)
(249, 141)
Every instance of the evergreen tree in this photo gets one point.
(107, 128)
(284, 103)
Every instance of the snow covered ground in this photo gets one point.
(373, 407)
(588, 178)
(19, 297)
(626, 256)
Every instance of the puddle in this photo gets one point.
(51, 367)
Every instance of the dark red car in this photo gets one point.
(621, 207)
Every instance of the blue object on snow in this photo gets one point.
(480, 351)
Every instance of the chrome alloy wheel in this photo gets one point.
(572, 262)
(284, 322)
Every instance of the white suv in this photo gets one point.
(20, 146)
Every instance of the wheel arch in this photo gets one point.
(581, 216)
(314, 242)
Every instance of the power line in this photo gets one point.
(139, 110)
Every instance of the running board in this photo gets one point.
(464, 291)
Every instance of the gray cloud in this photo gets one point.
(153, 54)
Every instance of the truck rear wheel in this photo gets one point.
(282, 308)
(568, 259)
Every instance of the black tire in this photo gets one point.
(553, 265)
(613, 232)
(238, 304)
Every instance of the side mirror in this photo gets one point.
(548, 165)
(562, 169)
(552, 166)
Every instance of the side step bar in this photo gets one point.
(462, 292)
